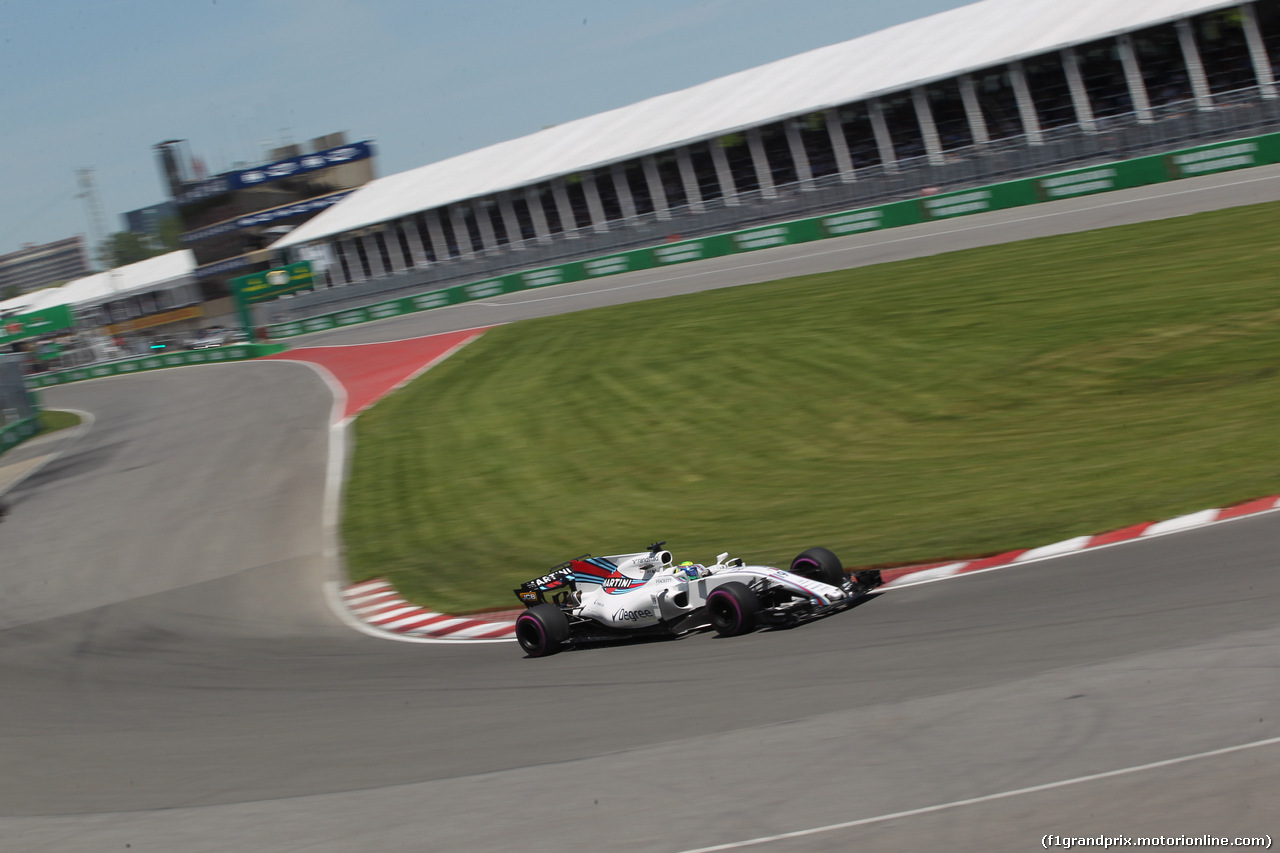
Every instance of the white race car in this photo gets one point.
(596, 599)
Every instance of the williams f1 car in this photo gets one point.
(597, 599)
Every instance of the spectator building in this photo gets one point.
(157, 294)
(124, 310)
(229, 219)
(993, 90)
(34, 267)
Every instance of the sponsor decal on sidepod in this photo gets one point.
(632, 615)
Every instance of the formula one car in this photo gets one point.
(597, 599)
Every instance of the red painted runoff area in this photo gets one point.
(368, 372)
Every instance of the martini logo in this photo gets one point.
(617, 583)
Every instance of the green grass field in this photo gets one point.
(54, 420)
(965, 404)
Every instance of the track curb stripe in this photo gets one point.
(910, 575)
(377, 604)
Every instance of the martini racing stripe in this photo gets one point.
(592, 570)
(620, 583)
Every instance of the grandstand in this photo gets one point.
(996, 89)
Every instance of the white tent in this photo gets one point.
(977, 36)
(162, 272)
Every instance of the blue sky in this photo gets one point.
(96, 83)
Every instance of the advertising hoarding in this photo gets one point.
(265, 286)
(35, 323)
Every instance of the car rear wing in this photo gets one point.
(555, 587)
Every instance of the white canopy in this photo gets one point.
(158, 273)
(977, 36)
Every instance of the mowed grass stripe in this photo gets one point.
(998, 398)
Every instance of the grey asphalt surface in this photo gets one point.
(172, 679)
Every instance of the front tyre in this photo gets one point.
(820, 565)
(541, 630)
(732, 608)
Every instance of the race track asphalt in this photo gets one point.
(173, 678)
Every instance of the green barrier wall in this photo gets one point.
(18, 432)
(1124, 174)
(1209, 159)
(216, 355)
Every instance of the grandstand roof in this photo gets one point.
(155, 273)
(980, 35)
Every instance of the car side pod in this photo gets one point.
(542, 629)
(732, 609)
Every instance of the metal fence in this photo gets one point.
(1170, 127)
(15, 403)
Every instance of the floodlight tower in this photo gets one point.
(97, 221)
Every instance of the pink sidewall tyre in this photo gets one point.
(732, 608)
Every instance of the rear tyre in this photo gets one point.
(820, 565)
(732, 608)
(542, 630)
